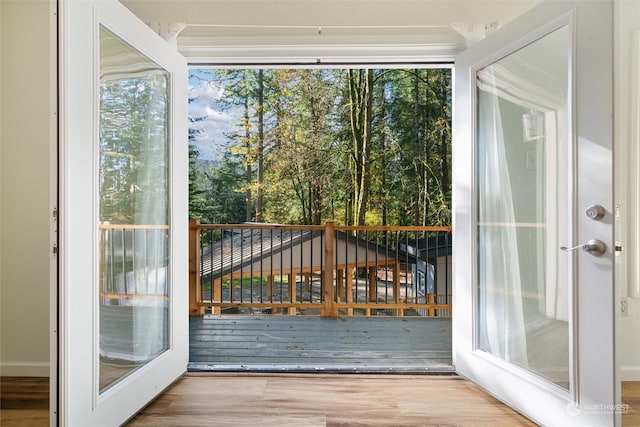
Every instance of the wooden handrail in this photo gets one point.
(390, 228)
(260, 227)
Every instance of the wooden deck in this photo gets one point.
(272, 343)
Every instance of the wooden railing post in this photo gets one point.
(373, 284)
(396, 288)
(329, 309)
(270, 288)
(293, 295)
(216, 295)
(431, 299)
(340, 280)
(373, 287)
(307, 281)
(349, 290)
(195, 289)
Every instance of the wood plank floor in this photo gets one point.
(308, 343)
(631, 397)
(325, 400)
(24, 401)
(300, 399)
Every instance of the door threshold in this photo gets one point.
(325, 369)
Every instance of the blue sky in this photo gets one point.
(211, 142)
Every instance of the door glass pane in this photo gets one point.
(133, 210)
(523, 207)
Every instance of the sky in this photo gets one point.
(211, 142)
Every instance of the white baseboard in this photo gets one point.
(24, 369)
(630, 373)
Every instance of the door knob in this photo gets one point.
(594, 247)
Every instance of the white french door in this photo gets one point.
(123, 299)
(533, 203)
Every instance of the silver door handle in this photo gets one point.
(593, 246)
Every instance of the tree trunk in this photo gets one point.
(260, 201)
(361, 112)
(425, 159)
(417, 153)
(444, 146)
(248, 174)
(383, 169)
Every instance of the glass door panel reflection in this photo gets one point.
(133, 210)
(523, 208)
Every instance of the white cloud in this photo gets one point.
(206, 93)
(212, 117)
(211, 140)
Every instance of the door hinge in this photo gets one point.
(624, 306)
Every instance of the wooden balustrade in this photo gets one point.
(329, 270)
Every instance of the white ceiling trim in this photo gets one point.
(315, 54)
(310, 44)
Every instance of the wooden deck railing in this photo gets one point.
(328, 270)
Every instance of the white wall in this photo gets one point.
(628, 336)
(25, 144)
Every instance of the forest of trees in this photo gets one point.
(355, 146)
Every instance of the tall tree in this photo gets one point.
(361, 114)
(260, 154)
(301, 161)
(417, 151)
(246, 126)
(240, 92)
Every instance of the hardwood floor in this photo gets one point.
(631, 397)
(301, 399)
(325, 400)
(24, 401)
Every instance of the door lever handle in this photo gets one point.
(594, 247)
